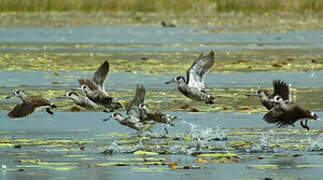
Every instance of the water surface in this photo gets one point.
(235, 128)
(149, 39)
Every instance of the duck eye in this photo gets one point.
(83, 87)
(17, 92)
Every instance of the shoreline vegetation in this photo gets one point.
(216, 22)
(178, 6)
(220, 15)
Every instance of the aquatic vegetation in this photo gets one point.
(42, 142)
(174, 101)
(145, 153)
(160, 6)
(191, 141)
(162, 62)
(153, 153)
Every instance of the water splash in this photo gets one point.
(315, 144)
(206, 134)
(138, 146)
(114, 148)
(264, 143)
(202, 137)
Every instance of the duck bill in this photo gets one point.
(171, 81)
(314, 116)
(8, 97)
(107, 119)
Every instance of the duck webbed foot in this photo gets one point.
(305, 125)
(166, 131)
(49, 111)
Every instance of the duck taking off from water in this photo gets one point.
(138, 105)
(29, 104)
(136, 118)
(81, 100)
(194, 86)
(286, 113)
(157, 116)
(281, 89)
(94, 88)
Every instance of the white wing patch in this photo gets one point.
(195, 80)
(200, 67)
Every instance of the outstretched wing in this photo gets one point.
(281, 88)
(273, 115)
(133, 108)
(21, 110)
(100, 74)
(200, 67)
(281, 114)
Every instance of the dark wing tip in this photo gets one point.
(105, 66)
(10, 114)
(140, 90)
(101, 73)
(212, 53)
(106, 63)
(280, 83)
(281, 88)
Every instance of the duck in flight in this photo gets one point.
(95, 91)
(285, 112)
(194, 86)
(30, 103)
(157, 116)
(281, 89)
(136, 117)
(81, 100)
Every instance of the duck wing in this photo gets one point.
(21, 110)
(281, 88)
(133, 108)
(100, 75)
(200, 67)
